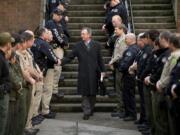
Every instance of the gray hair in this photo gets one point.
(89, 30)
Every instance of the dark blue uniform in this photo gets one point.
(43, 55)
(120, 10)
(59, 38)
(141, 63)
(52, 5)
(128, 80)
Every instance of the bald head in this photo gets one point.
(30, 32)
(116, 20)
(130, 38)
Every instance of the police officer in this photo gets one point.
(120, 47)
(128, 80)
(174, 95)
(160, 58)
(46, 59)
(5, 84)
(117, 8)
(60, 41)
(141, 63)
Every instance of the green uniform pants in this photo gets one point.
(4, 104)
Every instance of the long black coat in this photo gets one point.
(90, 63)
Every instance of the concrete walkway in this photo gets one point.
(99, 124)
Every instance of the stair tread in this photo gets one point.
(79, 104)
(153, 17)
(169, 10)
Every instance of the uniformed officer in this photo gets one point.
(117, 8)
(163, 82)
(128, 80)
(32, 76)
(17, 106)
(149, 39)
(60, 41)
(161, 57)
(46, 59)
(120, 47)
(173, 95)
(5, 84)
(141, 63)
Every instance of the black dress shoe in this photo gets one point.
(115, 114)
(86, 117)
(129, 118)
(122, 115)
(139, 122)
(31, 131)
(50, 115)
(146, 132)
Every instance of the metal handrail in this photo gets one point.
(130, 13)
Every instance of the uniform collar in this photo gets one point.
(2, 53)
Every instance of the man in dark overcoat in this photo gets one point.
(91, 66)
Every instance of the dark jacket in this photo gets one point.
(175, 79)
(120, 10)
(142, 59)
(128, 58)
(59, 38)
(5, 83)
(90, 64)
(160, 60)
(43, 54)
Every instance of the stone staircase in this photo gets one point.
(147, 14)
(153, 14)
(90, 14)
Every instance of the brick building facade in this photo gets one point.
(20, 14)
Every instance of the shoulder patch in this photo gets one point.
(145, 56)
(164, 60)
(129, 54)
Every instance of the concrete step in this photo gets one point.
(74, 67)
(80, 25)
(99, 107)
(97, 38)
(144, 30)
(73, 83)
(105, 59)
(75, 61)
(78, 99)
(155, 25)
(73, 2)
(84, 7)
(153, 13)
(73, 75)
(86, 19)
(103, 45)
(73, 90)
(94, 32)
(154, 19)
(151, 1)
(151, 6)
(94, 13)
(104, 52)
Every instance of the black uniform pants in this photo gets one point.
(129, 95)
(142, 102)
(88, 103)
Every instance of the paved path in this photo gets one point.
(99, 124)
